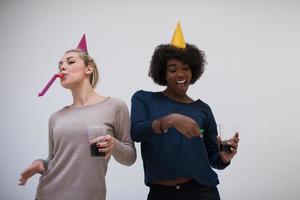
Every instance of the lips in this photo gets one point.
(64, 75)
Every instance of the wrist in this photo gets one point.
(161, 125)
(116, 144)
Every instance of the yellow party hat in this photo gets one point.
(178, 39)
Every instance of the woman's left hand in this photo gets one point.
(105, 144)
(233, 142)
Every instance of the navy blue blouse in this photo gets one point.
(172, 155)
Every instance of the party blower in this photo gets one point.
(50, 83)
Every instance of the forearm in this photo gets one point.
(124, 153)
(142, 131)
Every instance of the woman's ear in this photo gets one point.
(89, 70)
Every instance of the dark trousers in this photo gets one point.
(190, 190)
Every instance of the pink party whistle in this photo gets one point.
(50, 83)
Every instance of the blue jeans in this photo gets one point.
(190, 190)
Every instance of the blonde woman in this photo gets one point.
(70, 172)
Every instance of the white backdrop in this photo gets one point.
(252, 79)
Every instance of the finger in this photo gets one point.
(235, 138)
(232, 143)
(106, 138)
(97, 140)
(192, 134)
(21, 184)
(22, 181)
(237, 135)
(189, 135)
(197, 135)
(103, 149)
(185, 133)
(28, 169)
(233, 150)
(107, 155)
(104, 144)
(27, 173)
(196, 125)
(197, 132)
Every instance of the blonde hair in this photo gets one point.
(88, 60)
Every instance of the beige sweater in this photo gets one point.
(71, 171)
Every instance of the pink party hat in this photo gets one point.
(82, 44)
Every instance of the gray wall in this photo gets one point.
(252, 79)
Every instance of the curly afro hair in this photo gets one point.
(190, 55)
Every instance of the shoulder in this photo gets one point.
(57, 113)
(54, 116)
(203, 105)
(145, 95)
(116, 104)
(116, 101)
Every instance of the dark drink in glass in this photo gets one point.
(94, 150)
(224, 146)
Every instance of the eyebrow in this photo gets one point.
(171, 65)
(68, 58)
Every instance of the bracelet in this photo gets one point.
(160, 126)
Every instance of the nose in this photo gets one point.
(62, 68)
(180, 74)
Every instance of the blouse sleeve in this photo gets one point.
(141, 124)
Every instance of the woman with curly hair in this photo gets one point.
(178, 135)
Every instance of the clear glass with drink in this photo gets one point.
(226, 131)
(93, 132)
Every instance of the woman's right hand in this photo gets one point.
(37, 167)
(185, 125)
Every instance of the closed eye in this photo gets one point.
(186, 67)
(172, 68)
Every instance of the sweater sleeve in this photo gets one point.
(211, 143)
(124, 152)
(141, 123)
(50, 142)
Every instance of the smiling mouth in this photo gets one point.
(181, 82)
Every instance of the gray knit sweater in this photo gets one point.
(71, 171)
